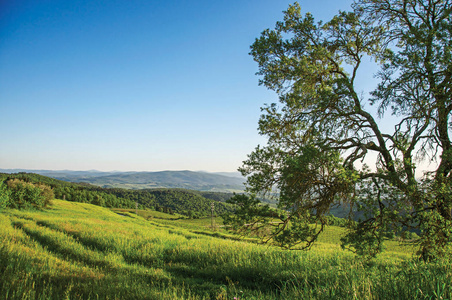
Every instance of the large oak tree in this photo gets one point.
(326, 145)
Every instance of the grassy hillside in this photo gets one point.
(82, 251)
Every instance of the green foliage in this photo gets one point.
(189, 203)
(323, 130)
(46, 192)
(5, 195)
(335, 221)
(285, 229)
(180, 201)
(248, 213)
(24, 195)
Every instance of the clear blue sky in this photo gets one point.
(134, 85)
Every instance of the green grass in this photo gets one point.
(82, 251)
(148, 214)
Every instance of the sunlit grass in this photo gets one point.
(82, 251)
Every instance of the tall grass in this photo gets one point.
(81, 251)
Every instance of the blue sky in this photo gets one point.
(134, 85)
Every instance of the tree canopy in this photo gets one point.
(326, 145)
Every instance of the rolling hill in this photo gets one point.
(200, 181)
(81, 251)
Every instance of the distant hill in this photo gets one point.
(200, 181)
(229, 174)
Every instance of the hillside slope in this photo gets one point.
(83, 251)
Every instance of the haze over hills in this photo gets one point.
(201, 181)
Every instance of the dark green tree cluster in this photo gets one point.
(86, 195)
(143, 197)
(326, 145)
(189, 203)
(185, 202)
(215, 196)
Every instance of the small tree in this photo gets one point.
(46, 192)
(325, 128)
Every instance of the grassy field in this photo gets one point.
(82, 251)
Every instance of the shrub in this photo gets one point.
(25, 195)
(5, 194)
(46, 192)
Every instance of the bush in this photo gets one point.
(25, 195)
(5, 194)
(46, 192)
